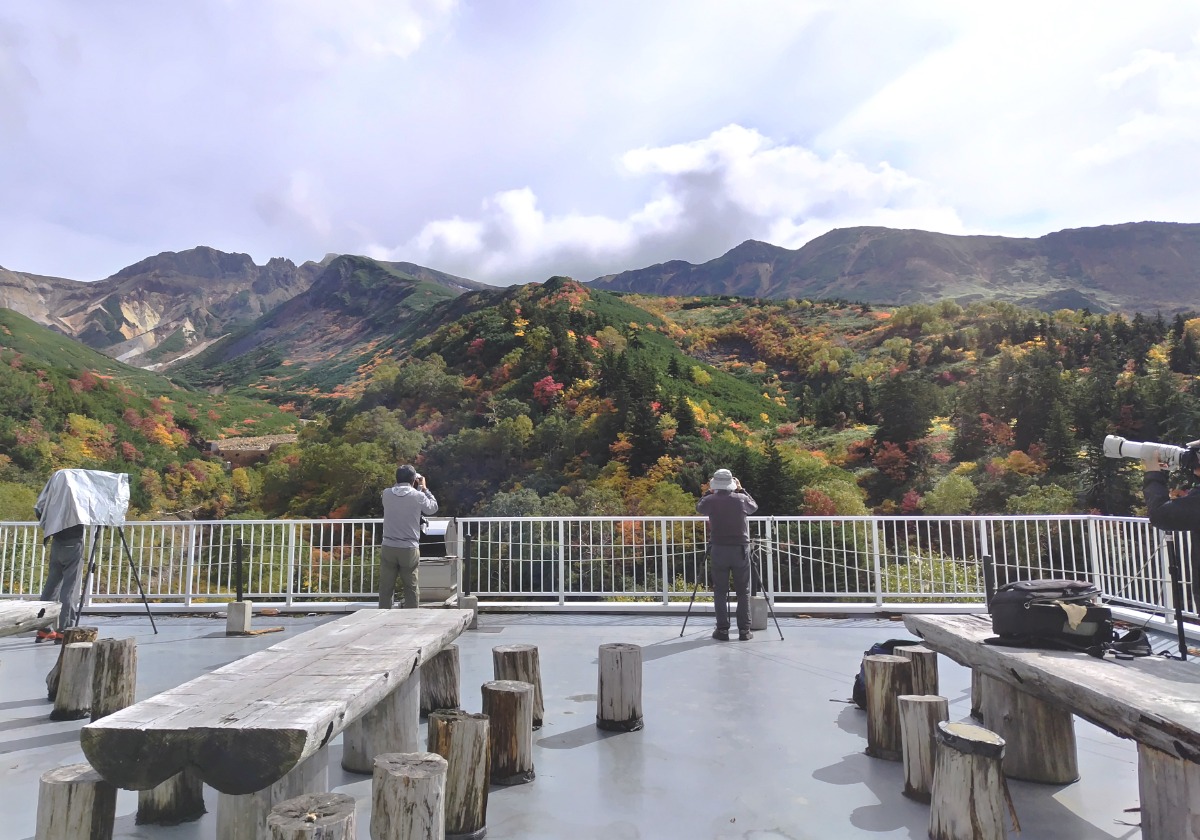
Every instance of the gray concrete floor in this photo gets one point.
(748, 740)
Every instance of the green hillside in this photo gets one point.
(65, 405)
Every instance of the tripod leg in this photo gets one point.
(767, 595)
(87, 575)
(1176, 572)
(688, 614)
(133, 569)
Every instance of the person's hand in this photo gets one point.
(1152, 462)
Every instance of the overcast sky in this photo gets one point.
(511, 140)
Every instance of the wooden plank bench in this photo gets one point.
(1152, 700)
(246, 726)
(17, 616)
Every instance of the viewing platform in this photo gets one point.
(750, 739)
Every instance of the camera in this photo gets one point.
(1184, 458)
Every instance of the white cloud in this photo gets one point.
(709, 195)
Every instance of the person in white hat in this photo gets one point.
(727, 504)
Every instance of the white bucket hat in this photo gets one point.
(722, 480)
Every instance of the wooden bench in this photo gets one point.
(244, 728)
(1152, 700)
(17, 616)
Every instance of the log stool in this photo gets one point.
(69, 637)
(440, 681)
(313, 816)
(887, 677)
(509, 707)
(924, 668)
(178, 800)
(619, 688)
(1039, 736)
(462, 739)
(977, 694)
(520, 663)
(73, 700)
(969, 792)
(393, 726)
(74, 803)
(407, 791)
(919, 716)
(114, 675)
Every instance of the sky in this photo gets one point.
(508, 141)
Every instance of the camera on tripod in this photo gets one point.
(1182, 458)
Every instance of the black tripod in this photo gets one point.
(755, 586)
(1175, 568)
(91, 568)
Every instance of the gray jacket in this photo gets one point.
(727, 511)
(403, 505)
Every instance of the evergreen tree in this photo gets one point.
(778, 493)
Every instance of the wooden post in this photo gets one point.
(520, 663)
(924, 668)
(114, 675)
(74, 698)
(70, 636)
(178, 800)
(393, 726)
(919, 716)
(1039, 736)
(74, 803)
(509, 707)
(887, 677)
(969, 793)
(244, 817)
(407, 791)
(1170, 795)
(313, 816)
(440, 678)
(977, 695)
(462, 739)
(619, 687)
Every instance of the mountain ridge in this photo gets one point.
(1130, 267)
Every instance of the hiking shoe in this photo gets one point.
(721, 635)
(745, 637)
(47, 635)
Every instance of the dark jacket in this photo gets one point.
(727, 511)
(1181, 514)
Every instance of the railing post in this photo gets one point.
(291, 564)
(190, 565)
(664, 573)
(878, 561)
(562, 561)
(769, 585)
(1094, 552)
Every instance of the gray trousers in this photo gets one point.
(735, 560)
(62, 577)
(399, 565)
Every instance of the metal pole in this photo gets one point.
(237, 563)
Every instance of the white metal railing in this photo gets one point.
(831, 564)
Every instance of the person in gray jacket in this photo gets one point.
(404, 504)
(727, 504)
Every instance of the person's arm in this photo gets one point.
(1182, 514)
(748, 503)
(702, 505)
(428, 502)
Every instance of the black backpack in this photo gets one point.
(859, 695)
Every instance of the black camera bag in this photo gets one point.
(1028, 613)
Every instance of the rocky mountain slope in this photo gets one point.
(1138, 267)
(173, 305)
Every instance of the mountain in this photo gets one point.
(317, 341)
(173, 305)
(1137, 267)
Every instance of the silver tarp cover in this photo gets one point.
(82, 497)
